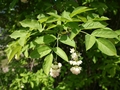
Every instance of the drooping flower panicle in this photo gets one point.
(55, 70)
(75, 62)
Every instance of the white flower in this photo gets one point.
(5, 69)
(72, 50)
(79, 62)
(75, 70)
(74, 63)
(59, 65)
(55, 70)
(71, 62)
(52, 70)
(74, 56)
(55, 74)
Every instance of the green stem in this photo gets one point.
(84, 32)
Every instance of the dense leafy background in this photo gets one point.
(36, 33)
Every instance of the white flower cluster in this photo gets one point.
(55, 70)
(76, 69)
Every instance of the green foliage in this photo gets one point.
(43, 32)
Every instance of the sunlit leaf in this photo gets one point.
(94, 25)
(79, 10)
(60, 53)
(13, 48)
(66, 15)
(51, 26)
(106, 33)
(89, 41)
(17, 34)
(47, 63)
(106, 47)
(43, 50)
(66, 40)
(40, 51)
(32, 24)
(54, 14)
(46, 39)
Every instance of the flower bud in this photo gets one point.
(72, 50)
(71, 62)
(59, 65)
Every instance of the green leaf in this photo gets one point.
(42, 18)
(47, 63)
(79, 10)
(94, 59)
(22, 41)
(60, 53)
(26, 53)
(51, 26)
(107, 47)
(52, 19)
(43, 50)
(112, 71)
(101, 18)
(94, 25)
(89, 41)
(75, 29)
(106, 33)
(46, 39)
(34, 54)
(17, 34)
(117, 32)
(32, 84)
(13, 48)
(12, 4)
(84, 19)
(95, 17)
(54, 14)
(32, 24)
(40, 51)
(66, 15)
(66, 40)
